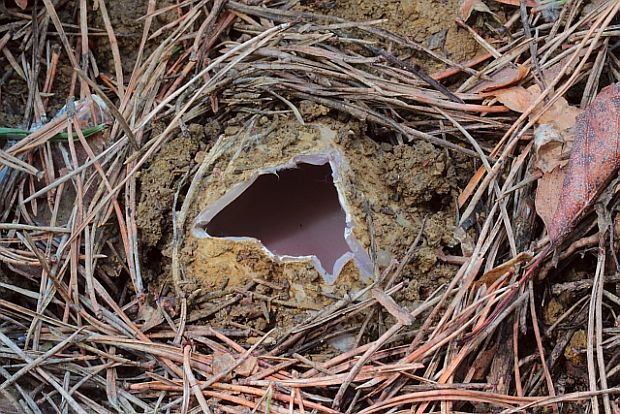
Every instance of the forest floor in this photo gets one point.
(472, 150)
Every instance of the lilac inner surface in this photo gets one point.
(295, 212)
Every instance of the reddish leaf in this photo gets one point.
(594, 160)
(466, 8)
(22, 4)
(502, 78)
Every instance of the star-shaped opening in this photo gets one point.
(293, 212)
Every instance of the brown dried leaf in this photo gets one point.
(22, 4)
(491, 276)
(550, 73)
(248, 367)
(561, 115)
(503, 78)
(548, 194)
(468, 6)
(516, 98)
(222, 362)
(594, 160)
(151, 315)
(552, 148)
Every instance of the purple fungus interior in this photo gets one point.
(294, 212)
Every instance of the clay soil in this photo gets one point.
(422, 179)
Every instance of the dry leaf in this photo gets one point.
(492, 275)
(466, 8)
(469, 6)
(562, 115)
(152, 316)
(503, 78)
(548, 194)
(518, 99)
(594, 161)
(552, 148)
(550, 73)
(22, 4)
(222, 362)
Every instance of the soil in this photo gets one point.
(402, 185)
(158, 185)
(429, 23)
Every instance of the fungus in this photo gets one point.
(295, 211)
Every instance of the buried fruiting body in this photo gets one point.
(317, 211)
(295, 211)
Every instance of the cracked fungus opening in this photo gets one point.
(293, 212)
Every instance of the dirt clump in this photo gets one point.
(417, 173)
(159, 183)
(390, 190)
(575, 351)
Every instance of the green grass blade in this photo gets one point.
(17, 133)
